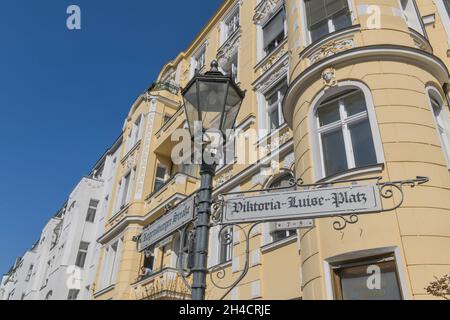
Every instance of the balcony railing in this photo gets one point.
(164, 86)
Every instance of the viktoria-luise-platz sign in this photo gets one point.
(302, 204)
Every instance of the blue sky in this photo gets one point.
(65, 94)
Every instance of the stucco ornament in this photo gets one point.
(265, 10)
(331, 48)
(329, 77)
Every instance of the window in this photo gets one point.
(326, 16)
(30, 273)
(160, 178)
(231, 68)
(375, 279)
(135, 133)
(82, 254)
(411, 15)
(285, 181)
(274, 100)
(111, 264)
(231, 25)
(92, 210)
(73, 294)
(226, 246)
(274, 32)
(345, 133)
(442, 122)
(447, 6)
(198, 62)
(124, 190)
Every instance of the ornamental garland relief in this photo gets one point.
(331, 48)
(265, 9)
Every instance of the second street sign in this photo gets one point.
(301, 204)
(167, 224)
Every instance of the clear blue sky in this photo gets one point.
(64, 94)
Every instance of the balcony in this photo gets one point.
(165, 86)
(164, 143)
(165, 284)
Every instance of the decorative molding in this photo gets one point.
(274, 74)
(230, 48)
(273, 60)
(265, 9)
(224, 178)
(331, 48)
(329, 77)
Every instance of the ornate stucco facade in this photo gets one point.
(335, 91)
(393, 54)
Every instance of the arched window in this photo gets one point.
(283, 181)
(440, 114)
(346, 134)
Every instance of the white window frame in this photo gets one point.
(111, 263)
(95, 208)
(316, 142)
(445, 16)
(418, 16)
(264, 53)
(441, 121)
(279, 105)
(83, 251)
(307, 34)
(235, 14)
(199, 55)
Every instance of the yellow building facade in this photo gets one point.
(335, 91)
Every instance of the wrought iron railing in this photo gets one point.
(164, 86)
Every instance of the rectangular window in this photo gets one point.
(231, 25)
(274, 100)
(411, 15)
(82, 254)
(198, 62)
(326, 16)
(231, 68)
(345, 133)
(92, 210)
(160, 178)
(73, 294)
(274, 32)
(375, 279)
(125, 186)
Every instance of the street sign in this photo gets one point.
(167, 224)
(290, 225)
(301, 204)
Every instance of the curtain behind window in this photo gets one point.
(274, 28)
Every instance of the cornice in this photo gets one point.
(356, 55)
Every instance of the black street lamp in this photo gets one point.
(212, 102)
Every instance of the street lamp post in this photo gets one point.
(212, 102)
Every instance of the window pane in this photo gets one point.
(342, 20)
(329, 113)
(274, 28)
(363, 146)
(447, 6)
(319, 31)
(335, 159)
(354, 282)
(274, 119)
(355, 103)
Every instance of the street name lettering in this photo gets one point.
(306, 204)
(168, 224)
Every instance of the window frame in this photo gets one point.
(265, 52)
(434, 94)
(162, 180)
(316, 143)
(307, 33)
(276, 89)
(90, 216)
(422, 30)
(199, 55)
(82, 253)
(234, 14)
(445, 16)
